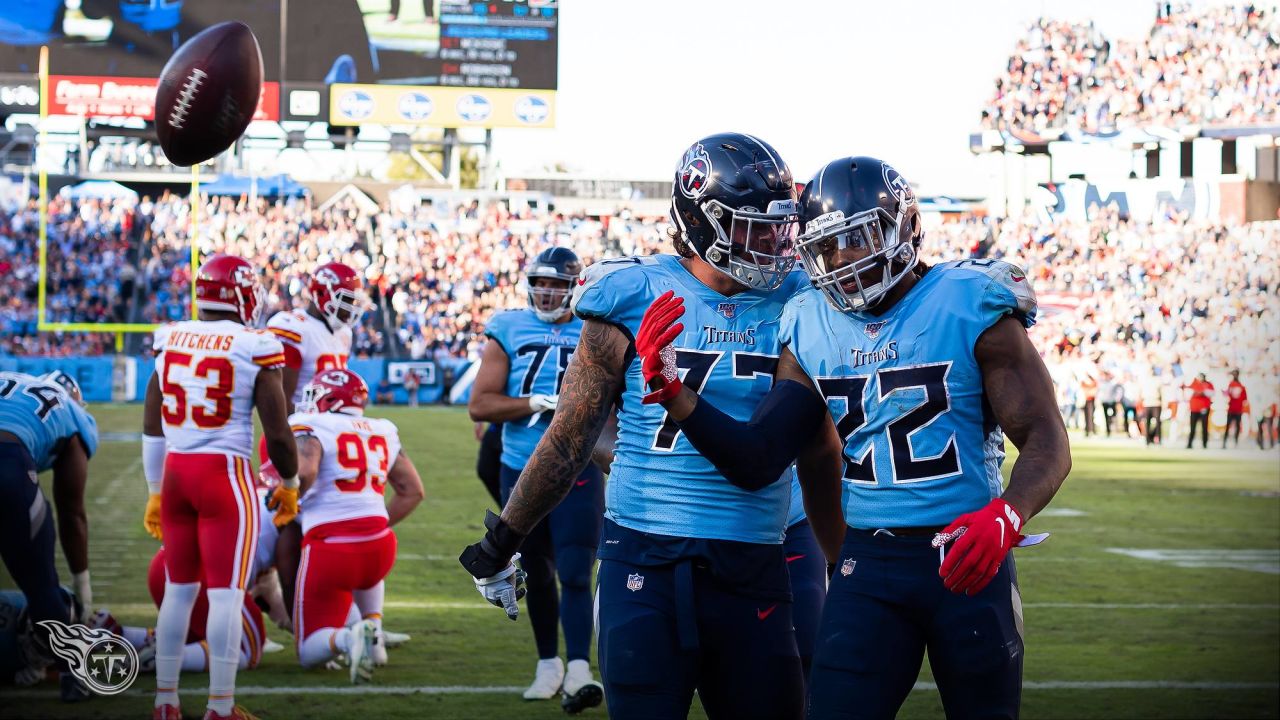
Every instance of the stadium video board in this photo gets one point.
(105, 55)
(452, 43)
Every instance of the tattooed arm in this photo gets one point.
(591, 384)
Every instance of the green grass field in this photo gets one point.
(1191, 631)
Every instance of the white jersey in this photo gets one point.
(309, 345)
(358, 453)
(207, 371)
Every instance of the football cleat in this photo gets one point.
(72, 689)
(166, 712)
(547, 680)
(361, 653)
(581, 691)
(237, 713)
(395, 639)
(271, 646)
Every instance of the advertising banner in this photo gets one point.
(440, 106)
(92, 96)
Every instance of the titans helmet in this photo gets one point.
(551, 302)
(861, 231)
(733, 205)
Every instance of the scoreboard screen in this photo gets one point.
(499, 44)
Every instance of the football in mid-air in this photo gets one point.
(208, 93)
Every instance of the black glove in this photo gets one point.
(493, 553)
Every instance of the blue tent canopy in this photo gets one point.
(266, 186)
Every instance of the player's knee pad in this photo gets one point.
(574, 564)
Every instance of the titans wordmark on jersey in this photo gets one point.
(538, 353)
(728, 352)
(906, 394)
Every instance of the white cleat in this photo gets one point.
(547, 680)
(271, 646)
(581, 691)
(378, 648)
(395, 639)
(362, 637)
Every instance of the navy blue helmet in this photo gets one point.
(733, 205)
(550, 300)
(861, 231)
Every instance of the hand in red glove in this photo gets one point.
(982, 539)
(658, 329)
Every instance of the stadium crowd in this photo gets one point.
(1133, 313)
(1214, 64)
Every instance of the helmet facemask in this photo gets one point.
(344, 307)
(757, 249)
(550, 302)
(885, 256)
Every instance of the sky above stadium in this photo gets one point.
(903, 81)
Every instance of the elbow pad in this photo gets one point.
(153, 452)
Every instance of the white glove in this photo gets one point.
(543, 403)
(505, 588)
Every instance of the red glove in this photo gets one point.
(653, 345)
(982, 539)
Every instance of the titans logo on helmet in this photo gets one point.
(695, 172)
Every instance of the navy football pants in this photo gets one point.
(743, 662)
(886, 607)
(563, 544)
(807, 567)
(27, 536)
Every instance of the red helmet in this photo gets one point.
(338, 294)
(229, 284)
(337, 390)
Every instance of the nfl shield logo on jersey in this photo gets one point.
(635, 582)
(873, 329)
(728, 310)
(847, 568)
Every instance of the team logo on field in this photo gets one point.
(873, 329)
(635, 582)
(847, 568)
(728, 310)
(695, 172)
(102, 660)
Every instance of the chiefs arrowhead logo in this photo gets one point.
(695, 172)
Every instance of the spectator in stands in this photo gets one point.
(1152, 406)
(411, 384)
(1201, 399)
(1237, 400)
(383, 394)
(1089, 389)
(1198, 65)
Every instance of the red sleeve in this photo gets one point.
(292, 357)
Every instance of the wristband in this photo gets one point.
(290, 483)
(153, 452)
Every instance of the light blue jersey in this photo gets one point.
(905, 392)
(796, 513)
(539, 354)
(728, 352)
(43, 416)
